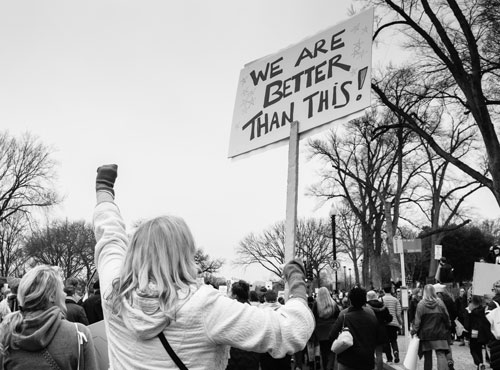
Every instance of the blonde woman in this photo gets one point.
(37, 336)
(325, 312)
(432, 325)
(151, 299)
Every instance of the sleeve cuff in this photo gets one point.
(104, 196)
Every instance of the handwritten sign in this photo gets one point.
(324, 78)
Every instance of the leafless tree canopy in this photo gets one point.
(69, 245)
(26, 174)
(267, 249)
(205, 264)
(455, 60)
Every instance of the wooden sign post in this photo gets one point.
(291, 192)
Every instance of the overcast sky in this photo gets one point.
(150, 85)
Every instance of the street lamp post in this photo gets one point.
(350, 279)
(345, 279)
(333, 213)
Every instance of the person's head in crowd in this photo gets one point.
(387, 289)
(440, 289)
(430, 293)
(262, 292)
(496, 287)
(270, 296)
(442, 261)
(240, 290)
(6, 292)
(462, 292)
(69, 290)
(325, 303)
(40, 289)
(476, 301)
(161, 251)
(254, 297)
(371, 295)
(357, 297)
(416, 293)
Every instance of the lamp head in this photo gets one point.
(333, 210)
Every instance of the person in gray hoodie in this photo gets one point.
(37, 336)
(432, 325)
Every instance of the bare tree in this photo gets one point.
(366, 168)
(26, 172)
(455, 60)
(206, 265)
(268, 249)
(349, 238)
(69, 245)
(12, 237)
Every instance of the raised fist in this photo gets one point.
(106, 176)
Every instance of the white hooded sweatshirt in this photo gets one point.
(206, 323)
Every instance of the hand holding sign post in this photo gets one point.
(322, 79)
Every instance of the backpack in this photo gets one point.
(493, 317)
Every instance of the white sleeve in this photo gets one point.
(112, 243)
(280, 332)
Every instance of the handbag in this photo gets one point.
(171, 352)
(411, 358)
(343, 341)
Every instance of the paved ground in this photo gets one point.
(461, 356)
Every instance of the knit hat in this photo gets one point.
(439, 288)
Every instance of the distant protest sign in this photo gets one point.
(485, 274)
(322, 79)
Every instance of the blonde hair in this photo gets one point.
(325, 303)
(161, 252)
(430, 293)
(40, 289)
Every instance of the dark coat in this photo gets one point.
(412, 308)
(75, 313)
(461, 305)
(362, 324)
(476, 320)
(93, 308)
(383, 318)
(494, 343)
(324, 325)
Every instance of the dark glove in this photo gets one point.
(106, 176)
(294, 274)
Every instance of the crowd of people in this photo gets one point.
(158, 316)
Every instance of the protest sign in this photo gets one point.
(438, 251)
(321, 79)
(485, 274)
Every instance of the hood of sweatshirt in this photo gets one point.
(430, 304)
(143, 315)
(38, 329)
